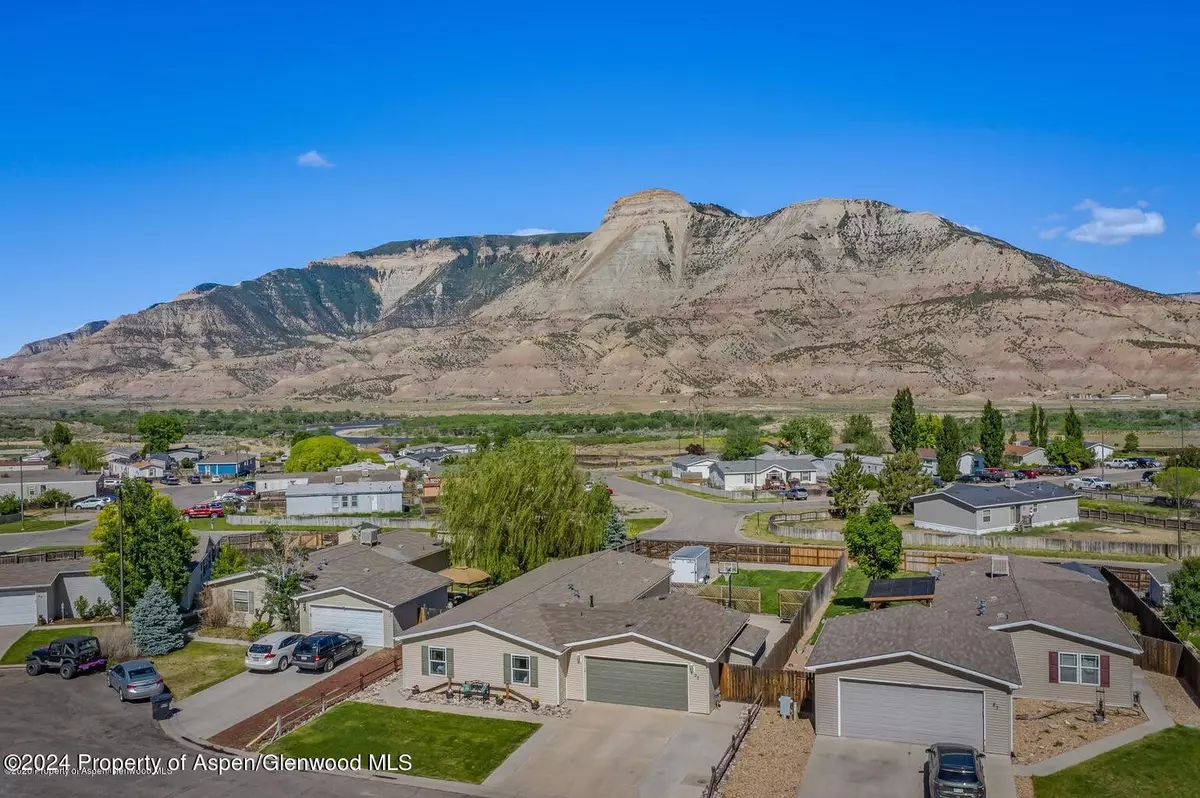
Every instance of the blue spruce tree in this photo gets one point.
(157, 625)
(615, 534)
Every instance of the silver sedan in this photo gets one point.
(135, 679)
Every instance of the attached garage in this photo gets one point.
(18, 609)
(643, 684)
(353, 620)
(906, 713)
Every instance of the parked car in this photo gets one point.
(240, 491)
(194, 479)
(1051, 471)
(69, 655)
(1147, 476)
(1116, 463)
(111, 482)
(989, 476)
(136, 679)
(205, 511)
(794, 494)
(1089, 483)
(969, 479)
(272, 652)
(1030, 473)
(954, 771)
(320, 651)
(1169, 502)
(170, 479)
(1147, 462)
(92, 503)
(216, 479)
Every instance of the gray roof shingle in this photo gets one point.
(980, 496)
(1163, 573)
(750, 639)
(380, 572)
(347, 488)
(40, 574)
(764, 463)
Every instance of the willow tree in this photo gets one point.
(514, 507)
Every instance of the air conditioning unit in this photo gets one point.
(368, 536)
(339, 480)
(999, 565)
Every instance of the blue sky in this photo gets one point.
(149, 149)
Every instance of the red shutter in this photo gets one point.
(1104, 670)
(1053, 667)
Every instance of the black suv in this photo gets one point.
(320, 651)
(67, 655)
(954, 770)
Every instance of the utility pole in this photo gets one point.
(121, 545)
(1102, 453)
(1179, 499)
(21, 472)
(754, 480)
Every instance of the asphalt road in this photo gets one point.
(45, 715)
(689, 518)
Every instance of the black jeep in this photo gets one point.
(67, 655)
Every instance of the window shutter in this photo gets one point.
(1104, 667)
(1053, 667)
(450, 664)
(424, 660)
(508, 668)
(533, 671)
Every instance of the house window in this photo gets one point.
(1089, 669)
(519, 672)
(241, 600)
(354, 500)
(345, 501)
(986, 516)
(1068, 668)
(1079, 668)
(437, 662)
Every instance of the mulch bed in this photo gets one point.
(240, 734)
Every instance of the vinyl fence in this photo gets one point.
(1022, 542)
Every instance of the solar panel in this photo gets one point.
(915, 586)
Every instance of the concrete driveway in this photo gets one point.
(604, 750)
(203, 714)
(10, 635)
(870, 769)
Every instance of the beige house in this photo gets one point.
(999, 628)
(601, 627)
(373, 586)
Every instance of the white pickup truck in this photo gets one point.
(1089, 483)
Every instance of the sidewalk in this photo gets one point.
(1157, 720)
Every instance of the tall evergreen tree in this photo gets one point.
(903, 425)
(949, 448)
(616, 534)
(846, 487)
(157, 626)
(991, 436)
(1073, 427)
(901, 479)
(857, 427)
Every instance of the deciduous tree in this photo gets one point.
(284, 566)
(511, 509)
(874, 542)
(743, 440)
(1180, 482)
(1183, 605)
(229, 561)
(1072, 426)
(322, 452)
(949, 448)
(846, 490)
(158, 431)
(928, 428)
(901, 479)
(809, 434)
(857, 427)
(84, 455)
(903, 424)
(1132, 444)
(991, 436)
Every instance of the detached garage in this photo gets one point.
(369, 623)
(34, 590)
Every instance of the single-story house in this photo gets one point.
(374, 586)
(76, 483)
(599, 627)
(227, 465)
(1026, 455)
(277, 483)
(999, 628)
(121, 454)
(928, 460)
(333, 498)
(424, 456)
(693, 466)
(163, 460)
(360, 466)
(40, 456)
(1160, 583)
(751, 474)
(140, 469)
(27, 466)
(978, 509)
(36, 591)
(185, 451)
(1100, 451)
(871, 464)
(970, 462)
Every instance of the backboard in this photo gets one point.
(727, 567)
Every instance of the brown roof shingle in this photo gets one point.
(374, 571)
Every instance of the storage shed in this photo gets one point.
(690, 565)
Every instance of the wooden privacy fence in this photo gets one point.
(42, 556)
(766, 553)
(744, 599)
(747, 682)
(790, 601)
(1162, 521)
(926, 561)
(1160, 656)
(719, 770)
(251, 541)
(1136, 578)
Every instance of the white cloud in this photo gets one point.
(973, 228)
(1053, 232)
(533, 231)
(313, 159)
(1110, 226)
(1143, 204)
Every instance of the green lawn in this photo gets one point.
(39, 525)
(637, 526)
(198, 666)
(36, 638)
(768, 582)
(847, 596)
(1164, 765)
(442, 746)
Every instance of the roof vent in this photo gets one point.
(629, 625)
(981, 608)
(339, 480)
(999, 566)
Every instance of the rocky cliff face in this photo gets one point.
(62, 341)
(666, 296)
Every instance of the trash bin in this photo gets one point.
(161, 706)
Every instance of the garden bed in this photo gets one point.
(1055, 727)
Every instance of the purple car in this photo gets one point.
(69, 656)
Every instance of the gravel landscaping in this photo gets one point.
(1063, 728)
(770, 763)
(494, 702)
(1178, 702)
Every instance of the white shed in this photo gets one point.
(690, 565)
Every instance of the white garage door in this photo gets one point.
(909, 714)
(368, 623)
(18, 609)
